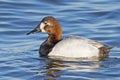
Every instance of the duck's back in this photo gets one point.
(76, 47)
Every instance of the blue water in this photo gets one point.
(94, 19)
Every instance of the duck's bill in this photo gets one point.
(37, 29)
(32, 32)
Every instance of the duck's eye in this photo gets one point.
(45, 23)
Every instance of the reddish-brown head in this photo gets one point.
(49, 25)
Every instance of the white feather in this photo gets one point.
(76, 47)
(42, 26)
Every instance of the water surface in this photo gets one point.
(94, 19)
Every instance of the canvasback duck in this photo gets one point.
(72, 46)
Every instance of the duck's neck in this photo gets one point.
(54, 39)
(55, 36)
(48, 45)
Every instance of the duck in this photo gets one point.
(71, 46)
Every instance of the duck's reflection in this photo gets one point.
(59, 68)
(54, 67)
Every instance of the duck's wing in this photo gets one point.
(103, 49)
(89, 41)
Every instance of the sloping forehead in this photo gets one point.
(49, 18)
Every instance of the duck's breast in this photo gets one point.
(75, 47)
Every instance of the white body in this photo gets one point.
(76, 47)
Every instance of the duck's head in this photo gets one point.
(50, 26)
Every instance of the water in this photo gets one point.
(95, 19)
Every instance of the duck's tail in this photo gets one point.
(104, 51)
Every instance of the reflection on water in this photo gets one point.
(58, 68)
(78, 69)
(54, 67)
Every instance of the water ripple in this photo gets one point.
(95, 19)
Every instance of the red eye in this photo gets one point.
(45, 23)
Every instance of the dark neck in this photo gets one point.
(48, 45)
